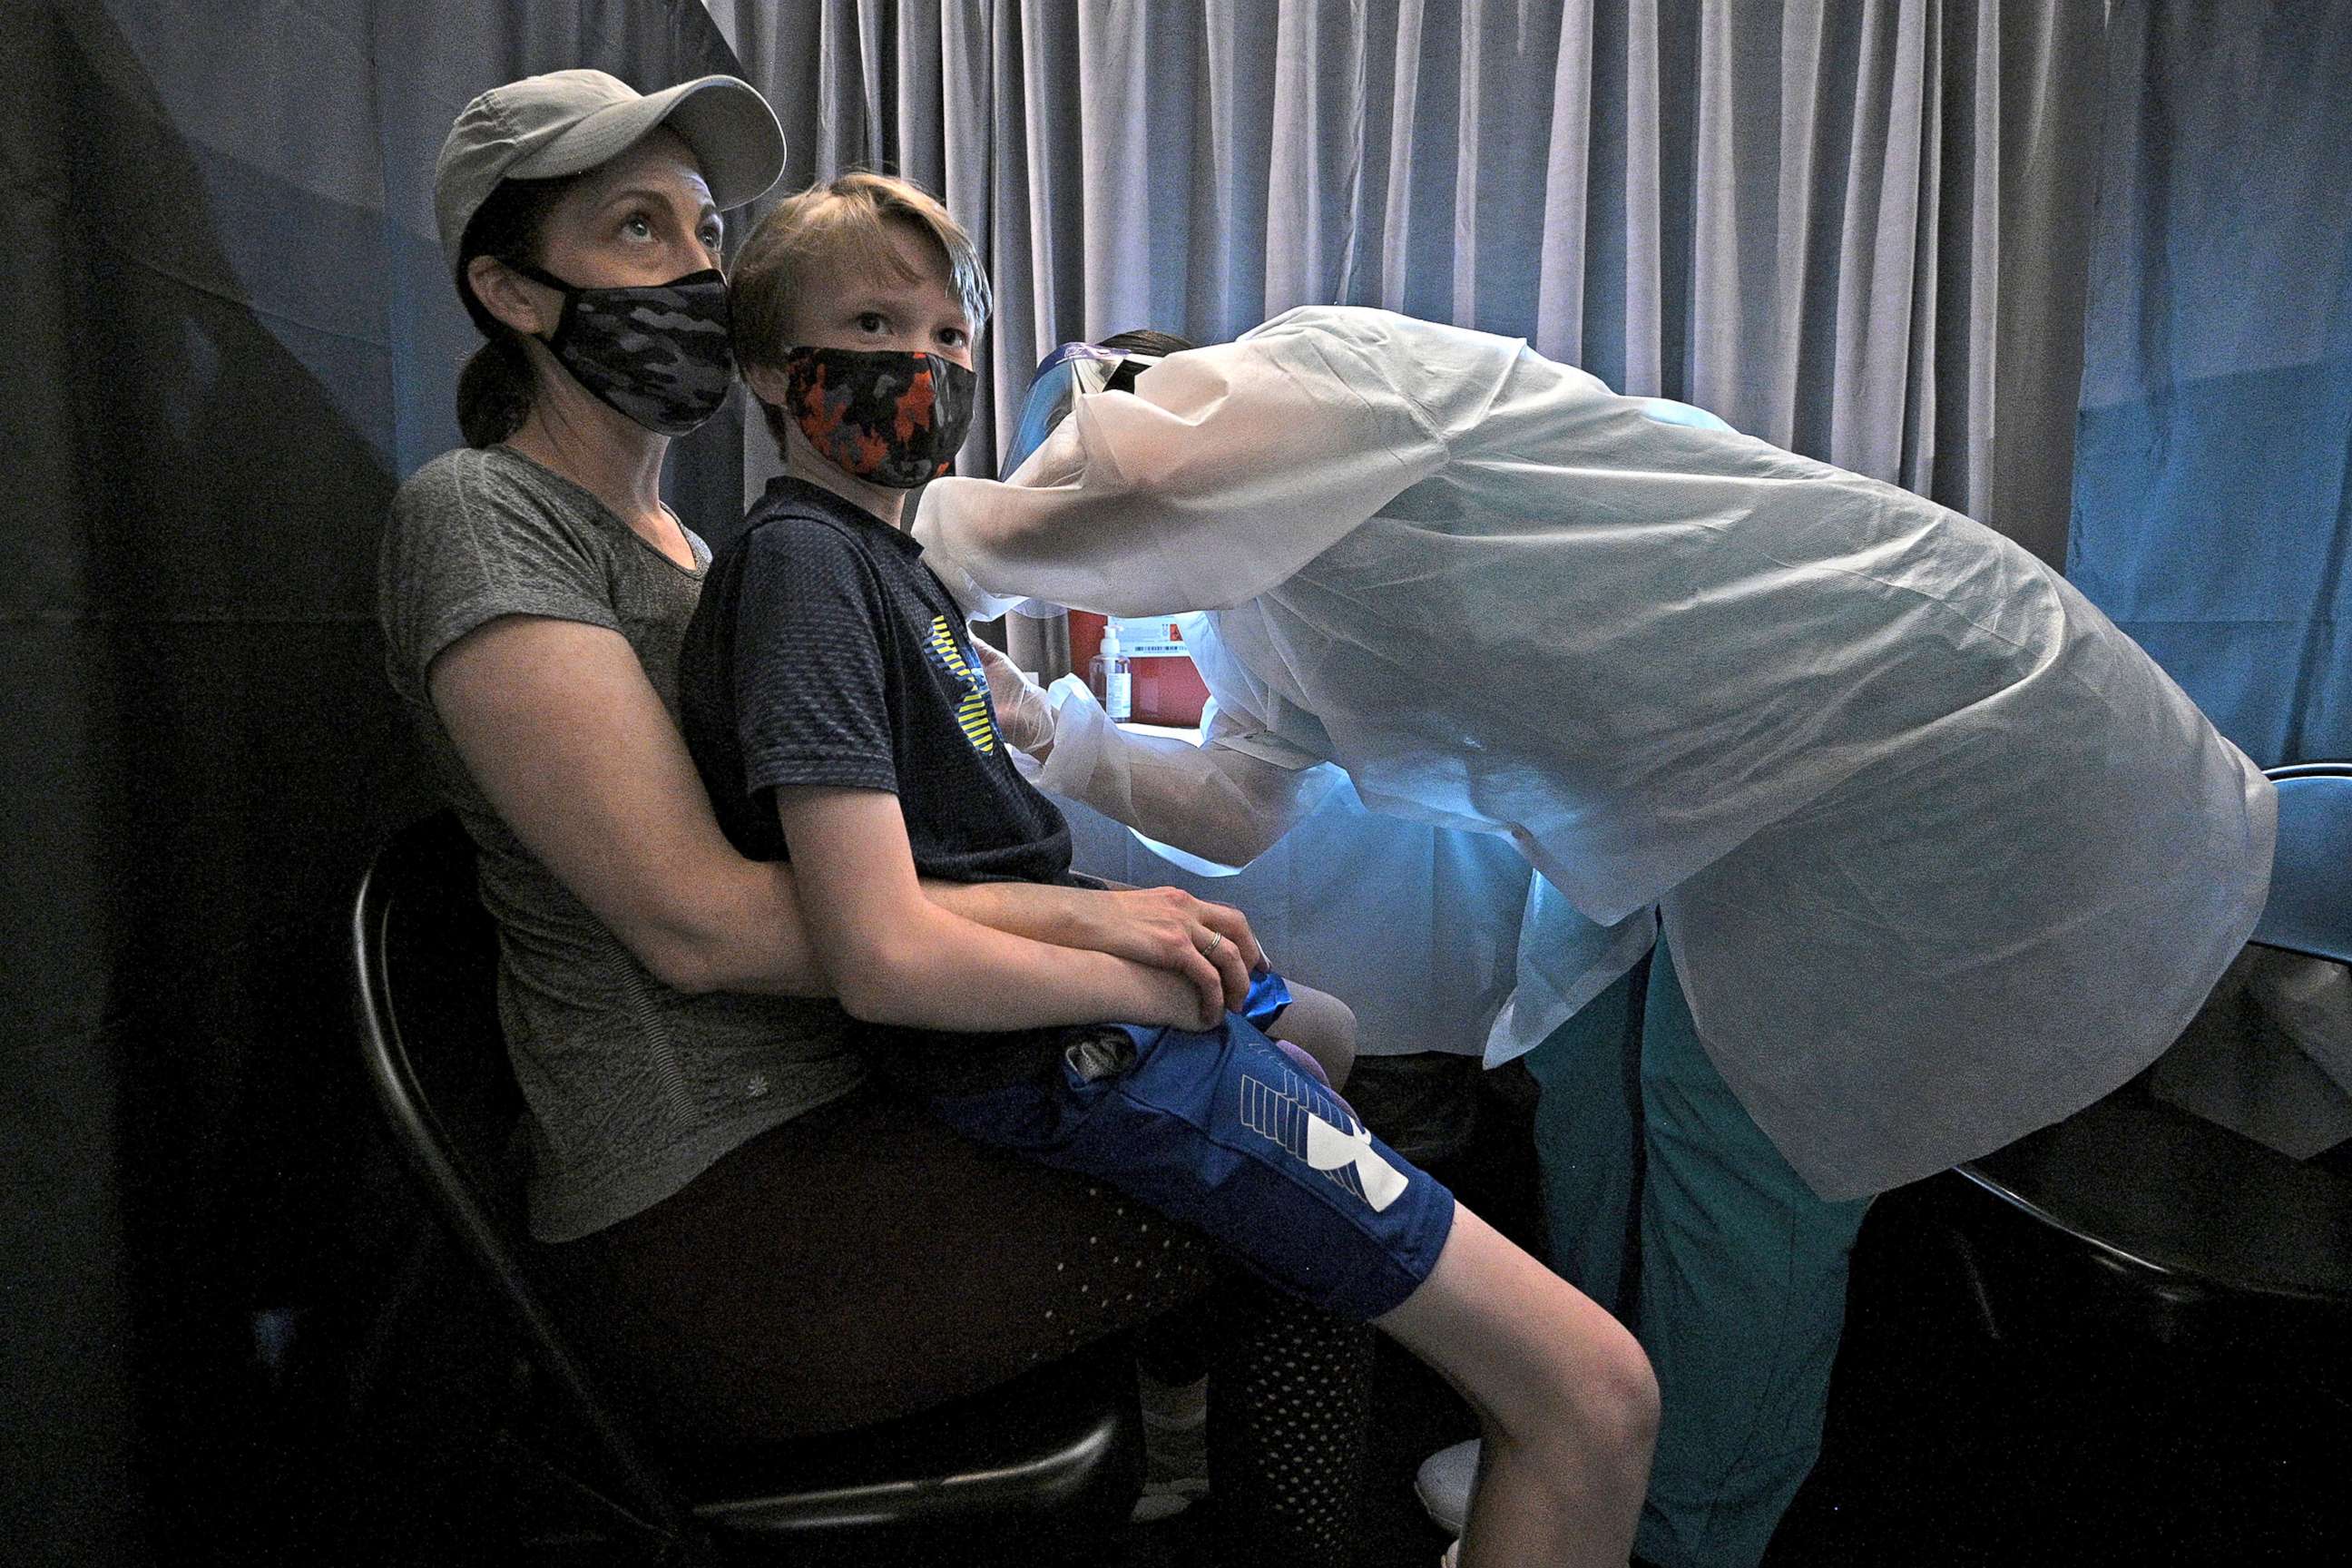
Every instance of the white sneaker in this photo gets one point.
(1443, 1484)
(1166, 1499)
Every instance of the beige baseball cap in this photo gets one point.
(569, 121)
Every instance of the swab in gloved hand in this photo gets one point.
(1024, 716)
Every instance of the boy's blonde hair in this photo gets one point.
(849, 216)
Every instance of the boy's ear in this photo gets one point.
(769, 384)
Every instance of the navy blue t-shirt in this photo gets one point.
(823, 652)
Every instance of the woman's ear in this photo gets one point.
(770, 384)
(510, 297)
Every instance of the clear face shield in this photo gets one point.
(1064, 376)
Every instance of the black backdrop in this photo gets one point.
(227, 332)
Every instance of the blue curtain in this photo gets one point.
(228, 334)
(2214, 450)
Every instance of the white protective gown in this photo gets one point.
(1942, 854)
(1263, 767)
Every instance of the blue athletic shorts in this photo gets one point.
(1220, 1131)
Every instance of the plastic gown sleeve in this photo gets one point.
(1214, 800)
(1223, 472)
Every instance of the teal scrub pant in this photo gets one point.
(1669, 1206)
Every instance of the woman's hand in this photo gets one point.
(1209, 945)
(1174, 1000)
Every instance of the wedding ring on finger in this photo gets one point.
(1209, 948)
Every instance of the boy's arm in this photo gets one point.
(1162, 927)
(559, 728)
(893, 956)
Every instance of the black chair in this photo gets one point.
(1045, 1465)
(2160, 1220)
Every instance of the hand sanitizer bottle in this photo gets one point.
(1112, 679)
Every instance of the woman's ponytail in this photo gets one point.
(494, 390)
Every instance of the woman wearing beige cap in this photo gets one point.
(765, 1234)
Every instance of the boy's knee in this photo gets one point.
(1631, 1391)
(1611, 1395)
(1324, 1027)
(1338, 1057)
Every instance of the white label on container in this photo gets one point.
(1148, 636)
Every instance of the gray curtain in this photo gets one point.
(1855, 228)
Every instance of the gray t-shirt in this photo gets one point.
(634, 1088)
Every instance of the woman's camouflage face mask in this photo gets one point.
(888, 415)
(657, 354)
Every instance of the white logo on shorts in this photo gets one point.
(1292, 1117)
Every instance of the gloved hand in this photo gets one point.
(1024, 716)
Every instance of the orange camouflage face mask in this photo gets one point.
(891, 417)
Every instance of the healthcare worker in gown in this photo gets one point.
(1940, 856)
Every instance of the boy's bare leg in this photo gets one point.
(1323, 1026)
(1564, 1393)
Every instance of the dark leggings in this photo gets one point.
(862, 1262)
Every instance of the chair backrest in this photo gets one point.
(424, 962)
(2310, 907)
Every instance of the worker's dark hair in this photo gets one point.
(1140, 341)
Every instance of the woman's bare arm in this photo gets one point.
(565, 735)
(572, 746)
